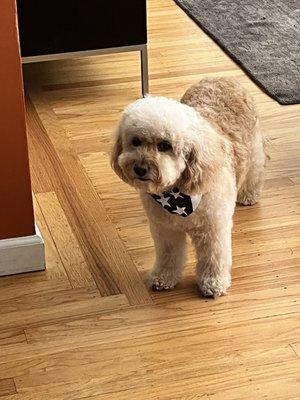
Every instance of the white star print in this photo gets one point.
(164, 201)
(176, 194)
(180, 211)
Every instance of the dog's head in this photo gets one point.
(161, 143)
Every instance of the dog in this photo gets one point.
(191, 161)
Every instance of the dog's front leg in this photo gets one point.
(213, 248)
(170, 247)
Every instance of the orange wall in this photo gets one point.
(16, 214)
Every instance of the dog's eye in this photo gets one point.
(164, 146)
(136, 142)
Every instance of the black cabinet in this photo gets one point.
(60, 26)
(52, 29)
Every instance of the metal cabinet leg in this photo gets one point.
(144, 71)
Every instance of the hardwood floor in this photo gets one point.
(87, 327)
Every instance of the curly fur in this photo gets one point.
(217, 150)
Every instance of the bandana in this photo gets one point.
(178, 203)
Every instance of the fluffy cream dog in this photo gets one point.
(207, 147)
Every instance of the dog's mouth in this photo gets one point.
(143, 179)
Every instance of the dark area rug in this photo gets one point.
(262, 36)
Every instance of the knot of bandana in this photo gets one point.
(177, 202)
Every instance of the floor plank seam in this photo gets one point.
(293, 349)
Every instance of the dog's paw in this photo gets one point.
(164, 280)
(213, 287)
(247, 199)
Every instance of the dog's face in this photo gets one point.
(150, 161)
(155, 146)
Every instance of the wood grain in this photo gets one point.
(55, 267)
(36, 309)
(68, 248)
(7, 387)
(87, 327)
(12, 337)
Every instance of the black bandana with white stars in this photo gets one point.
(177, 202)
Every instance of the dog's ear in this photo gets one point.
(202, 164)
(191, 178)
(116, 151)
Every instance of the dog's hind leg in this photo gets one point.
(250, 190)
(170, 247)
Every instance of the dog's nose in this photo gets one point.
(140, 171)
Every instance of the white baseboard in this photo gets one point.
(22, 254)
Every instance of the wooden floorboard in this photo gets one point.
(87, 327)
(7, 387)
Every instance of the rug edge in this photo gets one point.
(239, 63)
